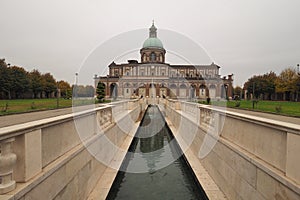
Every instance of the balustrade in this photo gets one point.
(259, 140)
(7, 161)
(32, 142)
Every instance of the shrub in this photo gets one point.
(5, 108)
(237, 104)
(278, 109)
(33, 106)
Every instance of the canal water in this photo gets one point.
(154, 166)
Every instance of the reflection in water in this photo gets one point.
(176, 181)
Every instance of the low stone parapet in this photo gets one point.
(62, 157)
(247, 156)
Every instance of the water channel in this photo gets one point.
(154, 166)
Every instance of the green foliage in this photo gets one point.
(208, 100)
(20, 81)
(237, 104)
(65, 89)
(254, 103)
(33, 106)
(202, 102)
(24, 105)
(36, 82)
(286, 85)
(282, 107)
(287, 82)
(49, 84)
(5, 80)
(100, 91)
(15, 82)
(261, 85)
(68, 94)
(278, 109)
(5, 107)
(238, 91)
(83, 91)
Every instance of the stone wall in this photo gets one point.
(62, 157)
(247, 156)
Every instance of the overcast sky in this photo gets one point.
(243, 37)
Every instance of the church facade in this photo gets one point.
(152, 77)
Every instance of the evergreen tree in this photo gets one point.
(100, 91)
(5, 79)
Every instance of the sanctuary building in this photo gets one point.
(153, 77)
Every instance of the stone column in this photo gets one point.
(197, 88)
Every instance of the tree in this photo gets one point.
(298, 88)
(84, 91)
(261, 85)
(20, 81)
(286, 83)
(36, 83)
(89, 91)
(65, 89)
(16, 82)
(253, 86)
(238, 92)
(49, 84)
(269, 86)
(5, 79)
(100, 91)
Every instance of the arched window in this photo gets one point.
(153, 56)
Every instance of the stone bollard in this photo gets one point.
(7, 161)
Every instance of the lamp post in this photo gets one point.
(76, 82)
(57, 94)
(253, 96)
(298, 82)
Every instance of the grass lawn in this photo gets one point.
(25, 105)
(278, 107)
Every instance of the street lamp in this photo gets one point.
(57, 94)
(298, 83)
(76, 82)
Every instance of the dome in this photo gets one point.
(153, 42)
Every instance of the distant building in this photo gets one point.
(153, 77)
